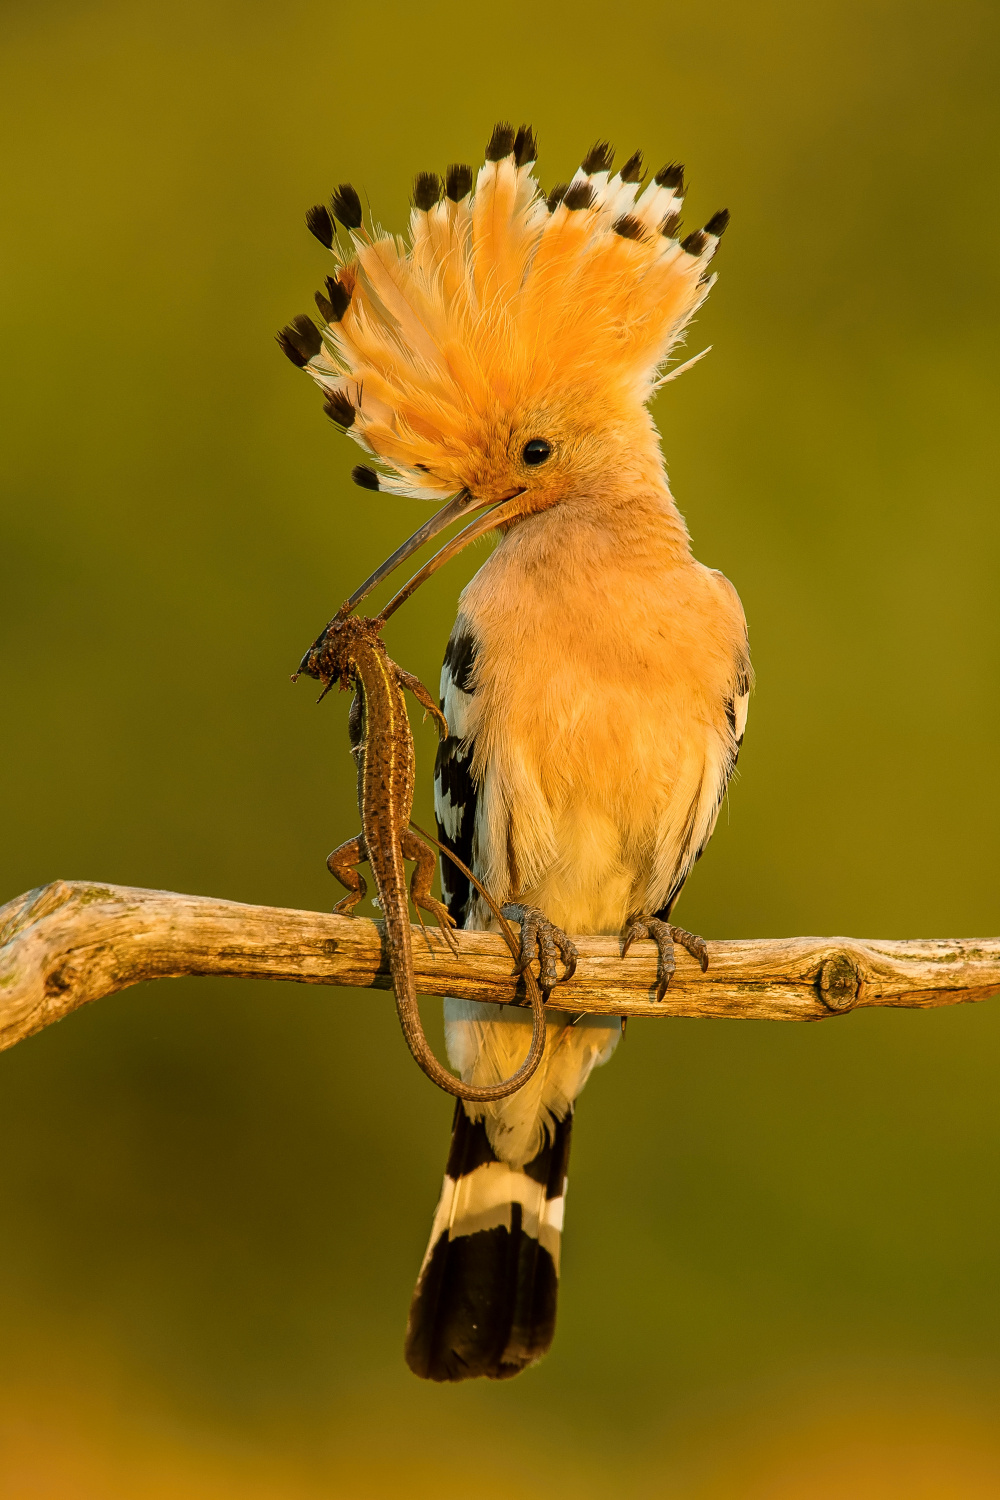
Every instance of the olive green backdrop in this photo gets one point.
(780, 1272)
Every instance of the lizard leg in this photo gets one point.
(541, 935)
(343, 863)
(664, 935)
(420, 884)
(423, 697)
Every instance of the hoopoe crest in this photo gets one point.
(508, 314)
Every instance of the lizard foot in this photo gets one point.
(420, 886)
(343, 864)
(540, 935)
(664, 935)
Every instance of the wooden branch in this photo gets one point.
(73, 941)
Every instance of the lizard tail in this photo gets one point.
(401, 968)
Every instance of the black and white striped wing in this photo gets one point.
(454, 789)
(736, 712)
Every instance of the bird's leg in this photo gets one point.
(343, 863)
(538, 933)
(664, 935)
(420, 883)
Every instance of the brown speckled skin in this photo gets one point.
(350, 651)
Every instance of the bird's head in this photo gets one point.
(503, 360)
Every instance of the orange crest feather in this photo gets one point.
(502, 305)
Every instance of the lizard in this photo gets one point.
(350, 652)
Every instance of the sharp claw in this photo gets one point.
(570, 968)
(636, 930)
(542, 939)
(694, 945)
(548, 976)
(663, 935)
(569, 954)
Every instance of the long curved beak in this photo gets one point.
(463, 504)
(495, 516)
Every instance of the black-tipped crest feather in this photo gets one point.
(501, 142)
(300, 340)
(695, 243)
(320, 224)
(458, 183)
(365, 476)
(339, 409)
(632, 170)
(600, 158)
(629, 228)
(346, 206)
(671, 176)
(578, 195)
(426, 190)
(340, 298)
(525, 146)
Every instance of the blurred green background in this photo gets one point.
(780, 1274)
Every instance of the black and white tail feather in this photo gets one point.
(485, 1301)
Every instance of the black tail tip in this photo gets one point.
(484, 1308)
(718, 223)
(485, 1302)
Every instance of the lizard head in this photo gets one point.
(333, 656)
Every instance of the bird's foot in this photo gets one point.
(664, 935)
(539, 935)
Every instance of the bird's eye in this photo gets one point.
(536, 452)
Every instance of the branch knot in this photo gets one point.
(838, 982)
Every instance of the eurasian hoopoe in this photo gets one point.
(597, 677)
